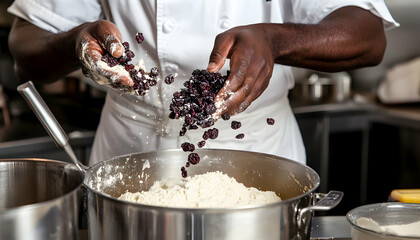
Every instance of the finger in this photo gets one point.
(109, 37)
(221, 49)
(237, 102)
(256, 81)
(239, 68)
(120, 77)
(94, 51)
(92, 54)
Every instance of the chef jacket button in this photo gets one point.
(168, 26)
(225, 24)
(171, 68)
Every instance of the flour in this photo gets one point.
(117, 76)
(406, 230)
(209, 190)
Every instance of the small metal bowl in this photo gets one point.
(383, 214)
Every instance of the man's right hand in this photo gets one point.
(93, 41)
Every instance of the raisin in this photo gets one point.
(235, 125)
(169, 79)
(270, 121)
(187, 147)
(201, 144)
(225, 116)
(139, 38)
(240, 136)
(193, 158)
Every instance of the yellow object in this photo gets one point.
(406, 195)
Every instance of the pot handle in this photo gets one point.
(326, 202)
(41, 110)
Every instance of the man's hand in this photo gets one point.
(348, 38)
(93, 41)
(251, 66)
(41, 56)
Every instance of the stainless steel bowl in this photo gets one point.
(378, 215)
(38, 199)
(110, 218)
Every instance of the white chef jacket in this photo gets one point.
(179, 36)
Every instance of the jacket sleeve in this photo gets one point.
(310, 11)
(55, 15)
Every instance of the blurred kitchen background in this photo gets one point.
(361, 128)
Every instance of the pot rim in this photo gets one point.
(31, 206)
(203, 210)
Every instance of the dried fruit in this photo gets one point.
(201, 144)
(169, 79)
(188, 147)
(193, 158)
(235, 125)
(270, 121)
(141, 82)
(240, 136)
(139, 38)
(225, 116)
(195, 102)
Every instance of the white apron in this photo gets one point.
(179, 37)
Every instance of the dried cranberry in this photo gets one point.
(213, 133)
(192, 127)
(154, 72)
(152, 82)
(129, 53)
(126, 46)
(201, 144)
(193, 158)
(225, 116)
(187, 147)
(240, 136)
(235, 125)
(206, 135)
(139, 38)
(184, 174)
(270, 121)
(183, 131)
(169, 79)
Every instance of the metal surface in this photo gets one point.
(41, 110)
(330, 227)
(110, 218)
(38, 199)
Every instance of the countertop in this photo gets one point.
(396, 114)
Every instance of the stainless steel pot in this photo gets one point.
(110, 218)
(38, 199)
(322, 88)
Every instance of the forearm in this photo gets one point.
(346, 39)
(40, 55)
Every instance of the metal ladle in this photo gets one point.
(50, 123)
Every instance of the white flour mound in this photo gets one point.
(209, 190)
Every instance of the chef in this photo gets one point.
(257, 40)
